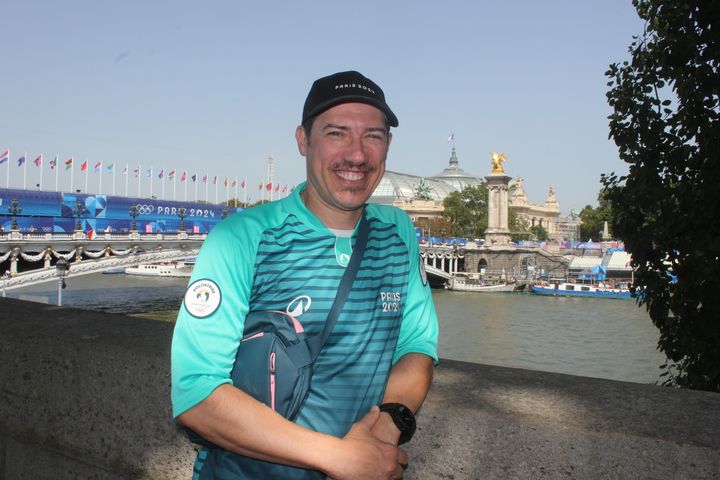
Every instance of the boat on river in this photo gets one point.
(165, 269)
(570, 289)
(464, 283)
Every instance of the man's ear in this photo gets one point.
(302, 140)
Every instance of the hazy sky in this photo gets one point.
(217, 86)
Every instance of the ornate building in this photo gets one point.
(401, 190)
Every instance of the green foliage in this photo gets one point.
(467, 211)
(519, 227)
(540, 233)
(666, 126)
(593, 219)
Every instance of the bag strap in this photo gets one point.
(317, 342)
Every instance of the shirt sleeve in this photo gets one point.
(210, 321)
(419, 328)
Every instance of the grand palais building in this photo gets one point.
(400, 190)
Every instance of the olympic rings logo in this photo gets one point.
(145, 209)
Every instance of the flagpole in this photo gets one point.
(151, 181)
(196, 185)
(100, 184)
(25, 170)
(216, 190)
(57, 172)
(9, 161)
(72, 171)
(41, 170)
(227, 191)
(127, 177)
(185, 186)
(113, 179)
(174, 188)
(139, 172)
(162, 186)
(87, 167)
(236, 192)
(207, 186)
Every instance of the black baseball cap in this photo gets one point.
(345, 87)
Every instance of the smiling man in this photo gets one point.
(374, 371)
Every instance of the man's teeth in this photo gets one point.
(351, 175)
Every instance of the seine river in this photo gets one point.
(601, 338)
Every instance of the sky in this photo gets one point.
(217, 87)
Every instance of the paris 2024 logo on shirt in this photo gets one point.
(202, 298)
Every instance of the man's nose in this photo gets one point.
(356, 152)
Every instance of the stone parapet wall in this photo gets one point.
(86, 395)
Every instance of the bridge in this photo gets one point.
(88, 255)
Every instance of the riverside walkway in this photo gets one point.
(86, 395)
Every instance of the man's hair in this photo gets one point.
(308, 124)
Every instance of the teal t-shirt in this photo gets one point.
(280, 256)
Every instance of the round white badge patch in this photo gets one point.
(202, 298)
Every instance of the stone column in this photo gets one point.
(497, 232)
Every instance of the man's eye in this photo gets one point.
(335, 133)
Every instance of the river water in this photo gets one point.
(592, 337)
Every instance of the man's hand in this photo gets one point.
(385, 429)
(364, 456)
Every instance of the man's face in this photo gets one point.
(345, 157)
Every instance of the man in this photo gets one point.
(289, 255)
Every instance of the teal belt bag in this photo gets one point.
(274, 365)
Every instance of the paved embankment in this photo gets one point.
(86, 395)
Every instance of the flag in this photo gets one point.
(149, 172)
(451, 137)
(268, 187)
(215, 180)
(277, 187)
(183, 177)
(194, 177)
(136, 172)
(285, 188)
(160, 175)
(260, 186)
(68, 164)
(243, 183)
(98, 167)
(225, 182)
(171, 175)
(125, 170)
(38, 161)
(21, 160)
(110, 167)
(90, 234)
(234, 183)
(83, 166)
(204, 180)
(5, 157)
(53, 163)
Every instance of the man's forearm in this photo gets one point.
(237, 422)
(409, 381)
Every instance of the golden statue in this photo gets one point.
(497, 161)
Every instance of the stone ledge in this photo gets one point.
(86, 395)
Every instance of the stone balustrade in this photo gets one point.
(85, 395)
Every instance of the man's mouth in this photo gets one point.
(350, 176)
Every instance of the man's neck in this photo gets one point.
(330, 217)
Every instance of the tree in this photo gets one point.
(593, 219)
(540, 233)
(466, 211)
(666, 126)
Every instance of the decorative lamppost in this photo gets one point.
(79, 211)
(61, 270)
(182, 213)
(14, 209)
(133, 213)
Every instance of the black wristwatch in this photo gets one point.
(403, 419)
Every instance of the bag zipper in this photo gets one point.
(272, 380)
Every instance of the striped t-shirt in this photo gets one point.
(280, 256)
